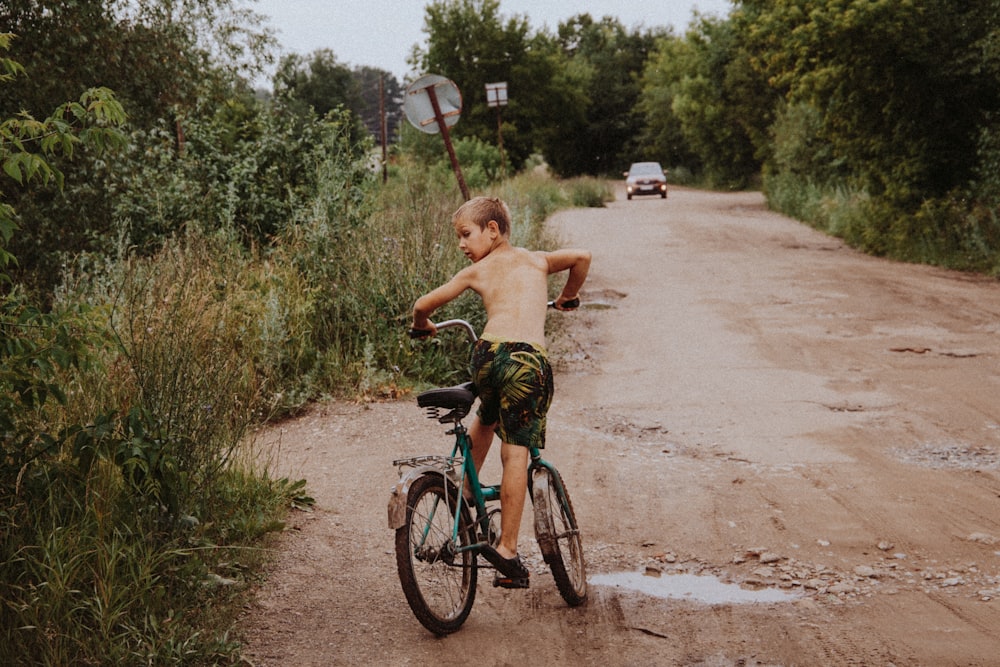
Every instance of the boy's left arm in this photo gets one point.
(578, 263)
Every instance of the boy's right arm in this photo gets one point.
(436, 298)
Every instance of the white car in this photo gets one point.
(645, 178)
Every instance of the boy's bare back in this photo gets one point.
(512, 281)
(513, 285)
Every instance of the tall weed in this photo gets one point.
(89, 583)
(183, 331)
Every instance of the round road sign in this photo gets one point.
(419, 107)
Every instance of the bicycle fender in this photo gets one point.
(397, 498)
(545, 532)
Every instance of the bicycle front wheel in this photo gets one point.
(558, 535)
(439, 581)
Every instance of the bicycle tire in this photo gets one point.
(558, 535)
(439, 584)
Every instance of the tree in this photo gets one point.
(162, 57)
(609, 61)
(317, 81)
(26, 143)
(158, 55)
(471, 44)
(899, 85)
(704, 107)
(663, 138)
(572, 95)
(372, 82)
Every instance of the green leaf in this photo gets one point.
(12, 168)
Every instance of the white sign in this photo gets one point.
(496, 94)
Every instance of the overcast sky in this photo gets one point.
(381, 33)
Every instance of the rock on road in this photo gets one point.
(746, 401)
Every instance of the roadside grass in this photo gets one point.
(948, 232)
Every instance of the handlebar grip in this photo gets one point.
(420, 333)
(568, 305)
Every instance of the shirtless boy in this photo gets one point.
(509, 364)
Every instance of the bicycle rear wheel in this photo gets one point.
(558, 535)
(439, 581)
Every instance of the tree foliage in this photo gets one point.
(319, 83)
(900, 86)
(704, 108)
(572, 94)
(162, 58)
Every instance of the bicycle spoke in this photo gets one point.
(438, 577)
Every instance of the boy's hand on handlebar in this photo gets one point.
(565, 304)
(423, 332)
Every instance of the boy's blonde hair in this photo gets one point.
(481, 210)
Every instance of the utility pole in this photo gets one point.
(384, 128)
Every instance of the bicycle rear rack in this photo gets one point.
(446, 464)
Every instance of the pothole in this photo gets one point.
(705, 589)
(603, 299)
(953, 456)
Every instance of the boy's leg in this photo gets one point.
(513, 489)
(481, 436)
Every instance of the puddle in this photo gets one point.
(694, 588)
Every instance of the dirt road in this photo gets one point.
(747, 403)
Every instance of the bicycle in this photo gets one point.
(438, 541)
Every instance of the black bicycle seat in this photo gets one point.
(459, 397)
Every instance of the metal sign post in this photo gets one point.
(496, 96)
(447, 141)
(433, 104)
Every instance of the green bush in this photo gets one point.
(589, 192)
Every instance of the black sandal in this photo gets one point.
(511, 572)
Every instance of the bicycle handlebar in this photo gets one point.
(469, 331)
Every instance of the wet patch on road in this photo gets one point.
(706, 589)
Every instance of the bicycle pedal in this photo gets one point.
(511, 582)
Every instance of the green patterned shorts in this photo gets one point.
(514, 381)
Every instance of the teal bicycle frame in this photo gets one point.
(428, 549)
(461, 458)
(460, 470)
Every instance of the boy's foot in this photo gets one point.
(507, 568)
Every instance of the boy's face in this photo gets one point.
(473, 241)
